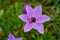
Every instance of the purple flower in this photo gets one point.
(11, 37)
(34, 19)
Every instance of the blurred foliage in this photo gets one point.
(10, 23)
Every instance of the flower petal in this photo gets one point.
(29, 10)
(11, 37)
(19, 39)
(37, 11)
(28, 27)
(39, 27)
(42, 19)
(24, 17)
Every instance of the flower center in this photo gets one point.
(33, 19)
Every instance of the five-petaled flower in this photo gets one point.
(34, 19)
(11, 37)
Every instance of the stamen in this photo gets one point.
(33, 19)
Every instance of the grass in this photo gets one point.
(10, 23)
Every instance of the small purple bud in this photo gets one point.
(24, 9)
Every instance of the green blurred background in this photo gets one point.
(10, 23)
